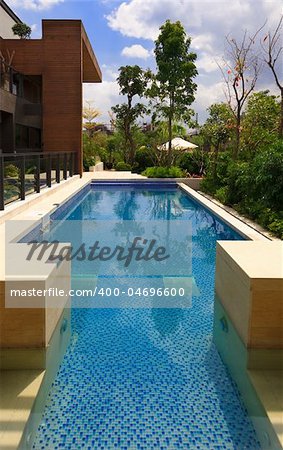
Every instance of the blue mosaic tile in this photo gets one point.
(147, 378)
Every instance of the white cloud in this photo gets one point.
(207, 95)
(110, 73)
(134, 19)
(102, 96)
(207, 63)
(142, 18)
(135, 51)
(35, 5)
(203, 42)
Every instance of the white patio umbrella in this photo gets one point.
(178, 144)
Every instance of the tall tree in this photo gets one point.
(132, 81)
(260, 123)
(240, 73)
(217, 128)
(272, 45)
(173, 84)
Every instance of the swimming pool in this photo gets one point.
(149, 377)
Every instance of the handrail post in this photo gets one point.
(58, 168)
(37, 175)
(65, 167)
(2, 200)
(71, 164)
(48, 171)
(22, 178)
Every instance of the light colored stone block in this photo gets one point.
(249, 284)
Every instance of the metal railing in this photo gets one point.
(25, 173)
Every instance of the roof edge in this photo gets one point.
(10, 11)
(91, 54)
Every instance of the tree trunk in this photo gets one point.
(130, 136)
(169, 158)
(214, 173)
(132, 149)
(238, 124)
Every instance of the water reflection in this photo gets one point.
(127, 206)
(167, 321)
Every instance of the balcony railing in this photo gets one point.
(25, 173)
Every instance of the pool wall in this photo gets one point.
(53, 358)
(235, 356)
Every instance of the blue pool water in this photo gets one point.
(146, 378)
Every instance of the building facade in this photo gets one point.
(41, 88)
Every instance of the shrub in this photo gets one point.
(267, 176)
(238, 182)
(143, 159)
(216, 176)
(194, 163)
(276, 227)
(121, 166)
(254, 188)
(222, 194)
(266, 217)
(11, 171)
(89, 161)
(163, 172)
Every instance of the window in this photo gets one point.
(27, 137)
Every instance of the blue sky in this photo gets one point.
(123, 33)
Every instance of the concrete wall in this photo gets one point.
(6, 22)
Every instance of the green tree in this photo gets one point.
(132, 81)
(173, 85)
(94, 147)
(260, 122)
(161, 131)
(158, 136)
(22, 30)
(217, 129)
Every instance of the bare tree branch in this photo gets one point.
(240, 79)
(272, 47)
